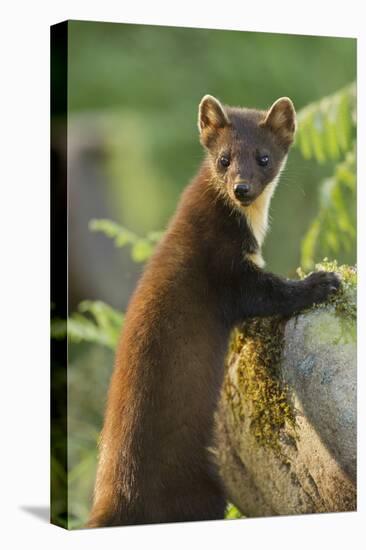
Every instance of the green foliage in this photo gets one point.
(94, 322)
(89, 371)
(232, 512)
(333, 230)
(326, 132)
(141, 247)
(326, 128)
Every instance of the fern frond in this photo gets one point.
(334, 229)
(326, 128)
(141, 247)
(94, 322)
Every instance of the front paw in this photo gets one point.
(322, 285)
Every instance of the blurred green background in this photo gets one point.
(133, 93)
(155, 77)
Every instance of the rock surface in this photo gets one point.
(286, 424)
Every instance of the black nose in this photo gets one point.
(241, 190)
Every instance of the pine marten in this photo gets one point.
(205, 277)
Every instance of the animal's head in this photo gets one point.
(247, 147)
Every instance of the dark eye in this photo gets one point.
(224, 161)
(263, 160)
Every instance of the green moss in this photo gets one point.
(257, 348)
(345, 300)
(259, 343)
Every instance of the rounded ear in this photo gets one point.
(211, 118)
(281, 120)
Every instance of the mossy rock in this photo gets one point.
(286, 424)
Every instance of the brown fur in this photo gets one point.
(202, 280)
(163, 391)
